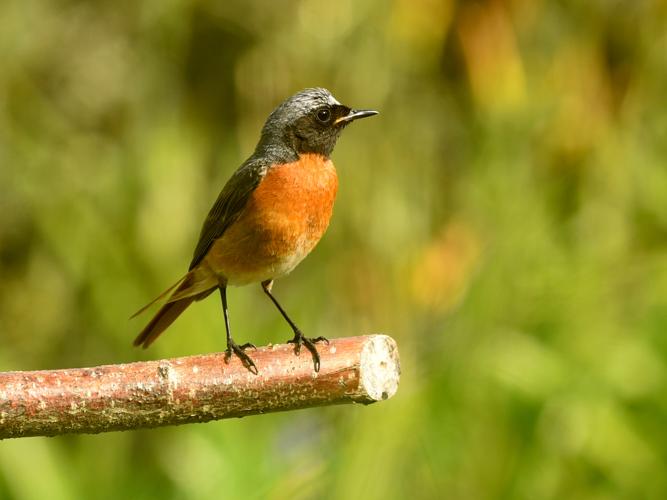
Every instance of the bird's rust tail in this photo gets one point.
(195, 285)
(164, 317)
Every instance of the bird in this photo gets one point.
(268, 217)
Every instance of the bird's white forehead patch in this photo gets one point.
(332, 101)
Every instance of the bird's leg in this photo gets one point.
(233, 347)
(299, 337)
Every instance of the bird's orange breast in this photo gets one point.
(282, 221)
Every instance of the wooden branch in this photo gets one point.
(195, 388)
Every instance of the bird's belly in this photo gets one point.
(283, 220)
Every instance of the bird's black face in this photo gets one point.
(316, 129)
(309, 122)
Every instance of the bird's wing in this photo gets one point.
(228, 206)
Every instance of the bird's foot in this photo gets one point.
(234, 348)
(300, 339)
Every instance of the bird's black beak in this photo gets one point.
(355, 114)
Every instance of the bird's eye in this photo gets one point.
(324, 115)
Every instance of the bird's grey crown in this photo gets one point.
(296, 106)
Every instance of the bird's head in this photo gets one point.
(308, 122)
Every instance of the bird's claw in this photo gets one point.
(300, 338)
(234, 348)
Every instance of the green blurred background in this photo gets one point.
(504, 218)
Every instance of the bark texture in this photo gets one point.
(361, 369)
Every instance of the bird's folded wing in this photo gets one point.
(228, 206)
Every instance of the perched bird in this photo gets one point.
(268, 217)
